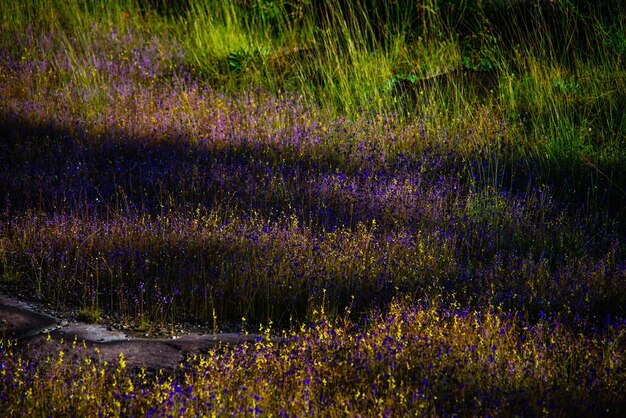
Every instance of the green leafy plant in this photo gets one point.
(399, 79)
(238, 60)
(481, 64)
(565, 86)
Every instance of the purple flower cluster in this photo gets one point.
(425, 357)
(132, 187)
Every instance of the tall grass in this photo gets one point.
(284, 162)
(552, 71)
(322, 91)
(541, 65)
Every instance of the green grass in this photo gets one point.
(375, 182)
(560, 82)
(566, 81)
(539, 105)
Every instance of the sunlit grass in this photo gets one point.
(280, 162)
(113, 95)
(412, 359)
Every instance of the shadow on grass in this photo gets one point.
(49, 170)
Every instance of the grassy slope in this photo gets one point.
(551, 116)
(269, 160)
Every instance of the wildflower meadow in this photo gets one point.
(425, 200)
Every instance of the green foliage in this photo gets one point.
(89, 315)
(483, 64)
(370, 84)
(281, 160)
(398, 79)
(269, 10)
(241, 60)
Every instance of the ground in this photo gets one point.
(32, 328)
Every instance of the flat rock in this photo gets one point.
(40, 334)
(19, 320)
